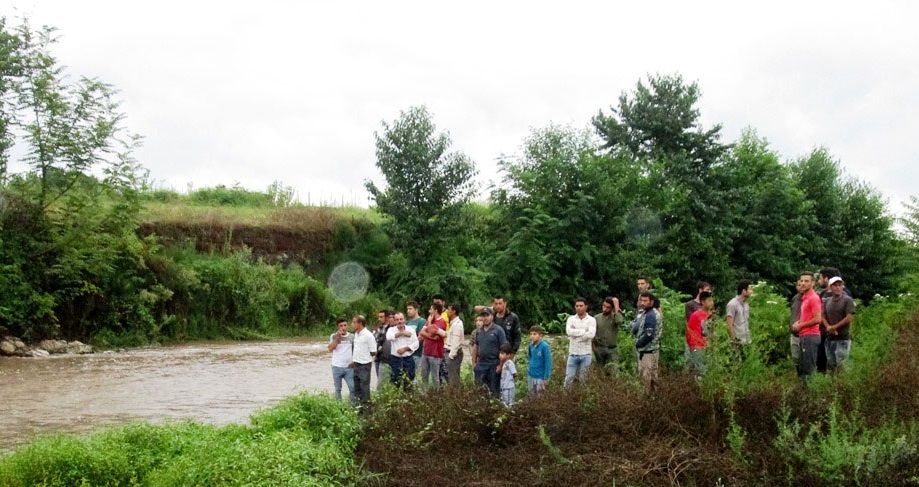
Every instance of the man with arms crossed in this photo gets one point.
(403, 342)
(581, 329)
(838, 313)
(486, 347)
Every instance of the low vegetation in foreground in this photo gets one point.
(747, 422)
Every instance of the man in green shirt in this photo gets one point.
(417, 322)
(605, 341)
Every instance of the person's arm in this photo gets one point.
(475, 350)
(548, 364)
(730, 312)
(570, 330)
(591, 329)
(441, 332)
(458, 332)
(413, 343)
(516, 333)
(648, 331)
(333, 343)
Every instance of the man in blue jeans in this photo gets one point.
(340, 344)
(581, 329)
(487, 343)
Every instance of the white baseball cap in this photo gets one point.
(834, 280)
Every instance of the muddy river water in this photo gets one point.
(215, 382)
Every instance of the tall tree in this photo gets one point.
(426, 187)
(658, 126)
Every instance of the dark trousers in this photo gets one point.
(821, 352)
(402, 371)
(807, 360)
(606, 358)
(485, 374)
(453, 368)
(362, 384)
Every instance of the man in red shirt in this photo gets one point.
(696, 331)
(807, 326)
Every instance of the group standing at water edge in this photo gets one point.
(405, 349)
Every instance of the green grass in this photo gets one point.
(304, 440)
(295, 217)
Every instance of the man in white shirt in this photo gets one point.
(365, 347)
(403, 342)
(453, 348)
(738, 315)
(580, 328)
(340, 344)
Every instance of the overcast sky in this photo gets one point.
(252, 92)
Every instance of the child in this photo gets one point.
(508, 372)
(540, 356)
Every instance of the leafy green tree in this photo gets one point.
(658, 127)
(69, 253)
(427, 186)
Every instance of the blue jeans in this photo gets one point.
(430, 367)
(485, 374)
(837, 353)
(577, 365)
(339, 373)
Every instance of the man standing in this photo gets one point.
(403, 342)
(738, 316)
(581, 329)
(381, 360)
(453, 348)
(643, 285)
(647, 329)
(838, 313)
(433, 353)
(695, 303)
(605, 342)
(486, 348)
(417, 322)
(439, 299)
(340, 344)
(365, 347)
(506, 320)
(807, 327)
(696, 331)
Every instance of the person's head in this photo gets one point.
(479, 321)
(507, 351)
(411, 309)
(398, 319)
(642, 283)
(805, 282)
(744, 288)
(702, 287)
(438, 299)
(536, 333)
(499, 304)
(358, 322)
(608, 306)
(381, 316)
(390, 317)
(836, 285)
(437, 308)
(646, 300)
(342, 325)
(453, 310)
(826, 274)
(708, 302)
(486, 317)
(580, 306)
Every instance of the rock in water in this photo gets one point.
(78, 347)
(53, 346)
(37, 352)
(7, 347)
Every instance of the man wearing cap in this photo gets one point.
(807, 326)
(486, 346)
(838, 313)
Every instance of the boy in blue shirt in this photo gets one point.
(540, 357)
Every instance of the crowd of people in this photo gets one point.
(410, 350)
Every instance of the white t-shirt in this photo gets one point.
(341, 355)
(740, 312)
